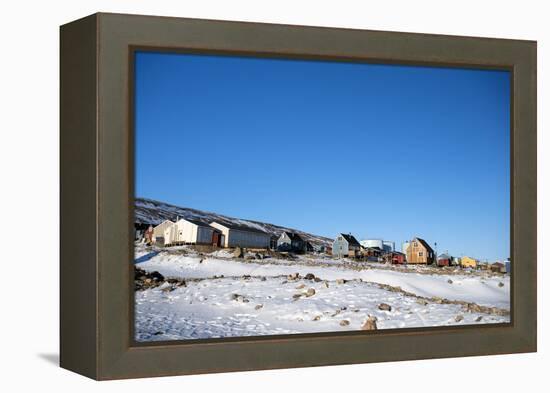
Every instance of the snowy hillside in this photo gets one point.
(148, 211)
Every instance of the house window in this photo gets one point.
(415, 244)
(420, 254)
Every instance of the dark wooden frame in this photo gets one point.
(97, 196)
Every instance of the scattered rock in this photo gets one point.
(297, 296)
(500, 284)
(421, 301)
(259, 256)
(310, 292)
(309, 276)
(341, 281)
(263, 278)
(317, 279)
(246, 277)
(384, 307)
(301, 286)
(459, 318)
(258, 306)
(370, 323)
(449, 281)
(344, 322)
(292, 277)
(479, 318)
(326, 284)
(317, 318)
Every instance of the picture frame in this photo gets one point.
(96, 196)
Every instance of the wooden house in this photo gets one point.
(498, 267)
(236, 235)
(419, 251)
(444, 260)
(468, 262)
(290, 241)
(345, 245)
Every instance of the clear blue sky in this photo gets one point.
(380, 151)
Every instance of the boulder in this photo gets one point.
(449, 281)
(459, 318)
(258, 306)
(344, 322)
(384, 307)
(310, 292)
(500, 284)
(301, 286)
(309, 276)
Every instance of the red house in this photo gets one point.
(444, 260)
(398, 258)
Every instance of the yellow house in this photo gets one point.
(468, 262)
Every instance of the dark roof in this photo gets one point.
(444, 256)
(351, 240)
(294, 236)
(500, 264)
(424, 243)
(240, 227)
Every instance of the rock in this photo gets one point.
(310, 292)
(500, 284)
(317, 279)
(238, 253)
(344, 322)
(384, 307)
(292, 277)
(301, 286)
(263, 278)
(259, 256)
(370, 323)
(317, 318)
(326, 284)
(459, 318)
(309, 276)
(341, 281)
(246, 277)
(421, 301)
(479, 318)
(258, 306)
(148, 281)
(449, 281)
(297, 296)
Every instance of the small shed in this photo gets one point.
(161, 230)
(398, 258)
(468, 262)
(444, 260)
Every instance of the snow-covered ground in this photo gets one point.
(256, 298)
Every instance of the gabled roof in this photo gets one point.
(196, 222)
(352, 241)
(444, 256)
(294, 236)
(239, 227)
(424, 243)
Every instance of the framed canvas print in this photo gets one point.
(241, 196)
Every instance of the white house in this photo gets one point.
(345, 245)
(191, 231)
(159, 232)
(235, 235)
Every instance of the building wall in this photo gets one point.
(188, 232)
(239, 238)
(159, 230)
(340, 246)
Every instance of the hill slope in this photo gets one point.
(148, 211)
